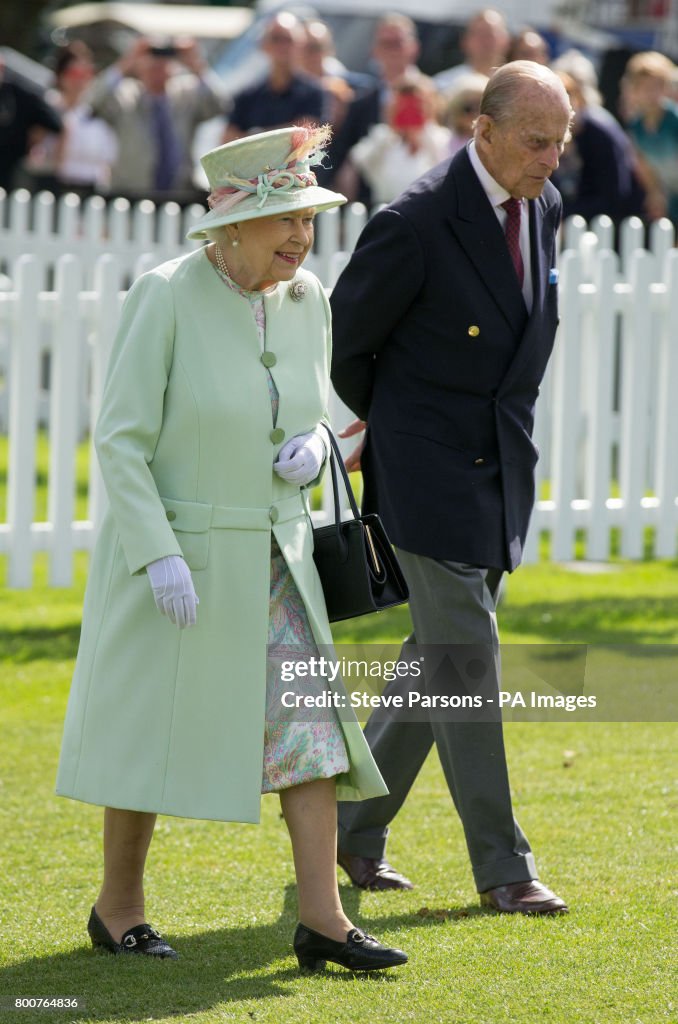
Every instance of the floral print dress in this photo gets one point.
(299, 745)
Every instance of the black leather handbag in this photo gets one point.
(356, 563)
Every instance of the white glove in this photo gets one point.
(299, 460)
(173, 589)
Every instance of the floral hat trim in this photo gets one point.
(295, 173)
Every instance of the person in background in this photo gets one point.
(80, 159)
(598, 172)
(319, 62)
(484, 43)
(395, 50)
(154, 97)
(25, 118)
(319, 59)
(287, 94)
(652, 123)
(461, 108)
(528, 44)
(203, 578)
(392, 155)
(443, 325)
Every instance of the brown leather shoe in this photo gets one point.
(523, 898)
(371, 872)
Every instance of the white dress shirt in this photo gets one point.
(497, 195)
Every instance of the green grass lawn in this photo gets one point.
(600, 818)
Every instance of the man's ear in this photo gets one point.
(484, 128)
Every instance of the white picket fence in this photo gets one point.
(48, 228)
(607, 418)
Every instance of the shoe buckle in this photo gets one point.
(129, 941)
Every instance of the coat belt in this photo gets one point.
(196, 517)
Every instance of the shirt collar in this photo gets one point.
(495, 192)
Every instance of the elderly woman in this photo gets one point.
(207, 438)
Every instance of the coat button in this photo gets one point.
(479, 462)
(269, 359)
(273, 514)
(473, 331)
(277, 435)
(171, 516)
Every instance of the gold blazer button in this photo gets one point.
(474, 331)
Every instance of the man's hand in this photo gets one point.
(128, 64)
(191, 56)
(352, 461)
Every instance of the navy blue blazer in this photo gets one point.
(433, 346)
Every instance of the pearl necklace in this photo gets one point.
(221, 262)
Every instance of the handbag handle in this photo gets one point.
(335, 458)
(376, 568)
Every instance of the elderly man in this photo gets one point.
(154, 97)
(286, 95)
(443, 323)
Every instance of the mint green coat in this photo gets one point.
(168, 720)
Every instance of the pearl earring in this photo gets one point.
(235, 243)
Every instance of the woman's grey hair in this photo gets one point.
(505, 89)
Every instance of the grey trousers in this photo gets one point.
(451, 604)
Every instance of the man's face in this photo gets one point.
(485, 39)
(522, 152)
(394, 50)
(155, 72)
(282, 43)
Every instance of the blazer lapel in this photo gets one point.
(479, 232)
(542, 231)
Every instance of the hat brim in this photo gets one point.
(314, 196)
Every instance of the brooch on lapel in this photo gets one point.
(297, 290)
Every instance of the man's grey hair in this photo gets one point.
(506, 88)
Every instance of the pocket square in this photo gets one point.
(553, 275)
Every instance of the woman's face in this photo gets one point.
(270, 249)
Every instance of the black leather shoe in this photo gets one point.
(140, 939)
(372, 873)
(523, 898)
(360, 952)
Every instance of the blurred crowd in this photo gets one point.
(129, 129)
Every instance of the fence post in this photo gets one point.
(662, 239)
(631, 239)
(666, 473)
(566, 411)
(573, 229)
(600, 355)
(635, 402)
(105, 321)
(328, 243)
(23, 400)
(603, 228)
(64, 419)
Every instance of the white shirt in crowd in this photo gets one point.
(388, 165)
